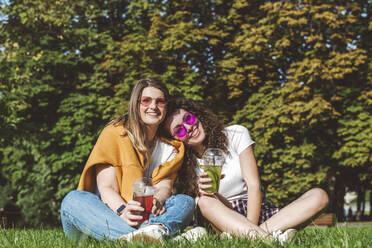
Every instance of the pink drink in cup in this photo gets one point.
(145, 195)
(146, 203)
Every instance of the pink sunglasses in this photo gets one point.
(180, 131)
(160, 102)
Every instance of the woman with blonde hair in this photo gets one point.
(128, 148)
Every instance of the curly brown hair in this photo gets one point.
(214, 137)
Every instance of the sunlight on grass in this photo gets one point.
(309, 237)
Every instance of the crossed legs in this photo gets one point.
(297, 212)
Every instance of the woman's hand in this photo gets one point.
(203, 183)
(131, 213)
(157, 207)
(109, 190)
(162, 193)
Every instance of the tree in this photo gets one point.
(305, 54)
(50, 51)
(285, 69)
(355, 125)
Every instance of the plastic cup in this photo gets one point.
(144, 193)
(211, 162)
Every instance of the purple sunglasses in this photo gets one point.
(180, 131)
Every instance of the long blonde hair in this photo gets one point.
(132, 121)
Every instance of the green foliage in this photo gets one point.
(283, 121)
(52, 117)
(355, 126)
(297, 107)
(296, 74)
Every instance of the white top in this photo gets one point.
(162, 153)
(232, 186)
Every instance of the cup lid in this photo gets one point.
(213, 156)
(213, 152)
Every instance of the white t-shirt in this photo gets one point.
(162, 153)
(232, 186)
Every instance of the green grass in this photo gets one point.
(309, 237)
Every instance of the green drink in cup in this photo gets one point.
(211, 163)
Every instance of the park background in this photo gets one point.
(297, 74)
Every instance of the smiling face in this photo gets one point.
(182, 126)
(152, 107)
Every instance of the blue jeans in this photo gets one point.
(83, 213)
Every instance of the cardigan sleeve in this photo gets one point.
(105, 151)
(113, 147)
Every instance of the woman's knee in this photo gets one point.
(73, 198)
(205, 202)
(188, 200)
(319, 197)
(185, 200)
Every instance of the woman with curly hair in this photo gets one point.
(238, 208)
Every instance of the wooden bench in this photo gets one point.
(8, 218)
(3, 219)
(325, 219)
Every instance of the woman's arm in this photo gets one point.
(250, 175)
(163, 191)
(108, 187)
(109, 191)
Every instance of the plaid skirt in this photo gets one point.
(268, 209)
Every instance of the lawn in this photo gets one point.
(309, 237)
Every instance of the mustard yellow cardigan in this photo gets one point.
(114, 147)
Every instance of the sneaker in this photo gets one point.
(149, 233)
(226, 235)
(284, 237)
(192, 235)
